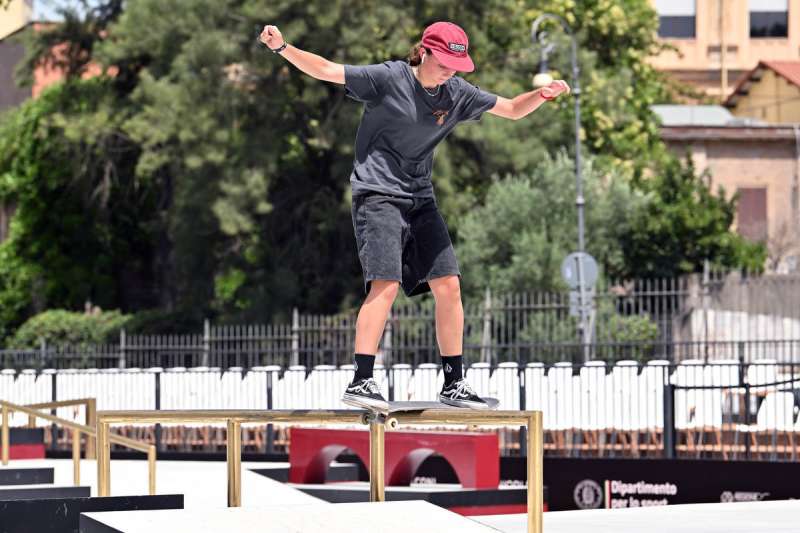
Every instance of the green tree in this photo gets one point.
(75, 234)
(683, 225)
(245, 159)
(517, 240)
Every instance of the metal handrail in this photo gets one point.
(377, 425)
(90, 413)
(77, 430)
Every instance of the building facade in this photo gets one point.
(716, 42)
(16, 15)
(760, 163)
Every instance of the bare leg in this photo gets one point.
(449, 315)
(373, 314)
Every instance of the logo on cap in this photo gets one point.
(455, 47)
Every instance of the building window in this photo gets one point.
(751, 213)
(676, 18)
(769, 18)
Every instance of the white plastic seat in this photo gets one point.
(626, 399)
(401, 381)
(380, 377)
(688, 373)
(504, 385)
(231, 388)
(593, 406)
(560, 397)
(761, 372)
(776, 413)
(344, 375)
(428, 381)
(536, 390)
(291, 391)
(654, 376)
(256, 388)
(321, 387)
(479, 376)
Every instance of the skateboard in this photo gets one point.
(384, 416)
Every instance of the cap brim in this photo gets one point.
(461, 64)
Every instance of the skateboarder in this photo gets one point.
(409, 108)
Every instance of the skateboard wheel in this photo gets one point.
(392, 423)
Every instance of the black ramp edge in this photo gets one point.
(26, 436)
(442, 498)
(62, 515)
(132, 503)
(40, 493)
(339, 472)
(90, 525)
(26, 476)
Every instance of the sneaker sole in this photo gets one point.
(364, 403)
(465, 405)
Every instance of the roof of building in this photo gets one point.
(700, 115)
(771, 133)
(788, 70)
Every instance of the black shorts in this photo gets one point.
(402, 239)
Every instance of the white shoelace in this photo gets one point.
(463, 387)
(369, 386)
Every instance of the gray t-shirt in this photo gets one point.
(402, 124)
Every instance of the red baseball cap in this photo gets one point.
(449, 44)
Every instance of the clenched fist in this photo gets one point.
(272, 37)
(554, 89)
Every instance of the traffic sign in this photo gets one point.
(569, 270)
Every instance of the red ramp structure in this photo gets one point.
(475, 457)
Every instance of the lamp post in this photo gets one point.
(541, 79)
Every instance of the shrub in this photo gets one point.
(60, 327)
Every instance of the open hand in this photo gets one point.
(271, 36)
(554, 88)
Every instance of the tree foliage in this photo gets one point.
(66, 328)
(212, 177)
(528, 224)
(683, 225)
(77, 231)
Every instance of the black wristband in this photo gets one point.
(280, 49)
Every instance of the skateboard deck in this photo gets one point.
(410, 407)
(385, 415)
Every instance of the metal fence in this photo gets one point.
(709, 316)
(717, 410)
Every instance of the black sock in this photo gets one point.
(364, 364)
(452, 368)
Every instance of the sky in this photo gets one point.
(47, 9)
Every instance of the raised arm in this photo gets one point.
(526, 103)
(312, 64)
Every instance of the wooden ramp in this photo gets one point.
(386, 517)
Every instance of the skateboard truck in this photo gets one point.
(375, 417)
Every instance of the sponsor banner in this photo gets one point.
(624, 483)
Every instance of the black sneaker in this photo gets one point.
(364, 393)
(460, 394)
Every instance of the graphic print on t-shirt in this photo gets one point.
(440, 116)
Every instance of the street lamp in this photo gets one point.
(541, 79)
